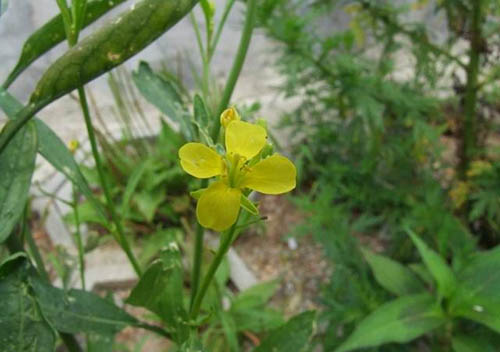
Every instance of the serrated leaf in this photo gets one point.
(52, 33)
(393, 276)
(17, 164)
(477, 297)
(442, 273)
(53, 149)
(77, 311)
(162, 94)
(400, 321)
(292, 336)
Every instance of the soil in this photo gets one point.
(271, 254)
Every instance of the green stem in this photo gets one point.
(197, 257)
(220, 26)
(226, 241)
(246, 37)
(122, 240)
(78, 238)
(469, 128)
(12, 127)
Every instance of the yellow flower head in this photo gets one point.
(241, 168)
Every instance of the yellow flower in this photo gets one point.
(239, 169)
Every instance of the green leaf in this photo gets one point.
(197, 194)
(22, 327)
(393, 276)
(108, 47)
(200, 111)
(248, 205)
(162, 94)
(148, 202)
(53, 33)
(255, 296)
(53, 149)
(76, 311)
(463, 343)
(100, 343)
(257, 319)
(160, 290)
(193, 344)
(292, 336)
(477, 297)
(229, 328)
(445, 279)
(17, 164)
(132, 184)
(401, 321)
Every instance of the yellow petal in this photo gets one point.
(245, 139)
(273, 175)
(200, 161)
(218, 206)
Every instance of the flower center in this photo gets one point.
(236, 166)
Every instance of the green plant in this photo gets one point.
(393, 128)
(131, 175)
(467, 293)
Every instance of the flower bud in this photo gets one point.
(73, 145)
(228, 116)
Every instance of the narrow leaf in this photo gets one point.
(53, 149)
(53, 33)
(17, 164)
(401, 321)
(162, 94)
(132, 184)
(393, 276)
(437, 266)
